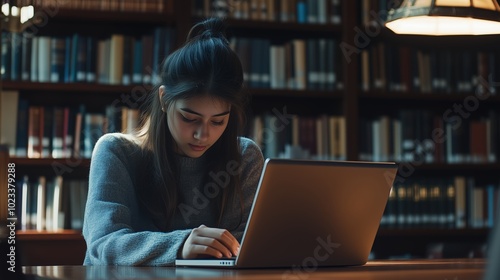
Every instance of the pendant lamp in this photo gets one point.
(445, 17)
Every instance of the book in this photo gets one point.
(147, 59)
(47, 136)
(91, 60)
(25, 203)
(35, 131)
(58, 130)
(26, 58)
(80, 66)
(6, 56)
(16, 56)
(116, 59)
(299, 52)
(44, 58)
(58, 211)
(277, 67)
(93, 123)
(78, 143)
(58, 53)
(478, 141)
(128, 55)
(9, 105)
(137, 64)
(34, 59)
(68, 131)
(68, 61)
(40, 203)
(103, 54)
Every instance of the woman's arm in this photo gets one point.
(252, 163)
(115, 231)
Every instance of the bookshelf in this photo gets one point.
(436, 79)
(346, 98)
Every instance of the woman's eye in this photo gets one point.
(186, 119)
(218, 123)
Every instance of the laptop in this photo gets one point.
(312, 213)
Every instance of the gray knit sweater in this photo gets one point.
(118, 232)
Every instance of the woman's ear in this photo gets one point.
(161, 92)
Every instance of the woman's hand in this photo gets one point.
(206, 241)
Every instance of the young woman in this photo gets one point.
(183, 185)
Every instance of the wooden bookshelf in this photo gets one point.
(430, 243)
(65, 247)
(70, 88)
(114, 17)
(71, 168)
(419, 98)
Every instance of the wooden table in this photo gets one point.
(446, 269)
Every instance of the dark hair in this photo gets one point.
(205, 64)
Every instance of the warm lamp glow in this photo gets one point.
(27, 13)
(445, 17)
(438, 26)
(16, 19)
(6, 9)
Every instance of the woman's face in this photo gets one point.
(197, 123)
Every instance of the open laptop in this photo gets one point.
(309, 213)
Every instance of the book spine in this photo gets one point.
(58, 52)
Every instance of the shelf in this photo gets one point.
(113, 17)
(420, 97)
(458, 167)
(291, 93)
(421, 243)
(277, 26)
(37, 162)
(71, 168)
(423, 232)
(487, 171)
(72, 88)
(65, 247)
(75, 88)
(24, 235)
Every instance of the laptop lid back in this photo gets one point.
(315, 213)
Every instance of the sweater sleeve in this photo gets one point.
(112, 212)
(253, 162)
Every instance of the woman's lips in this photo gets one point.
(197, 148)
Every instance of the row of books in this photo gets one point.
(50, 203)
(424, 136)
(303, 137)
(301, 11)
(408, 69)
(118, 59)
(296, 64)
(153, 6)
(457, 202)
(59, 131)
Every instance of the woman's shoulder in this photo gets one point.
(117, 142)
(249, 147)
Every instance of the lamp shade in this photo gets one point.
(445, 17)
